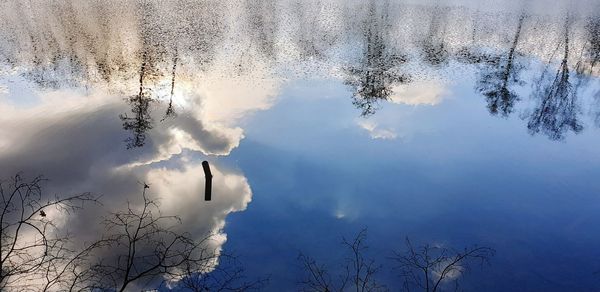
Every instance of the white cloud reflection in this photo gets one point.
(430, 92)
(375, 131)
(76, 141)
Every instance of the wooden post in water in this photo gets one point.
(208, 177)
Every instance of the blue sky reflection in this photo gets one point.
(457, 176)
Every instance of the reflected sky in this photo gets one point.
(454, 123)
(447, 177)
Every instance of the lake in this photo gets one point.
(354, 145)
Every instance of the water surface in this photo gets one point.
(450, 123)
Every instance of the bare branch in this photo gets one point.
(29, 244)
(359, 272)
(432, 268)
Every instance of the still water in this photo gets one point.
(468, 128)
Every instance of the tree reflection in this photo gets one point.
(154, 51)
(499, 75)
(138, 248)
(378, 70)
(359, 271)
(429, 268)
(593, 55)
(557, 110)
(435, 50)
(31, 247)
(593, 34)
(141, 122)
(170, 110)
(311, 39)
(85, 45)
(145, 49)
(433, 268)
(262, 25)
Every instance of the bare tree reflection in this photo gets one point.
(141, 122)
(31, 246)
(593, 34)
(358, 275)
(140, 247)
(199, 29)
(373, 78)
(170, 110)
(84, 45)
(425, 268)
(145, 49)
(262, 25)
(434, 268)
(144, 248)
(557, 110)
(472, 56)
(311, 38)
(593, 55)
(497, 78)
(229, 275)
(153, 53)
(435, 51)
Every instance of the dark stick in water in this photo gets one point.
(208, 176)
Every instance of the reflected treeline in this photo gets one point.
(131, 47)
(557, 110)
(378, 69)
(138, 247)
(144, 50)
(499, 75)
(499, 80)
(141, 122)
(593, 47)
(429, 268)
(261, 25)
(434, 48)
(158, 47)
(313, 40)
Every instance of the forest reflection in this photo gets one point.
(142, 50)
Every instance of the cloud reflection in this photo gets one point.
(76, 142)
(377, 132)
(430, 92)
